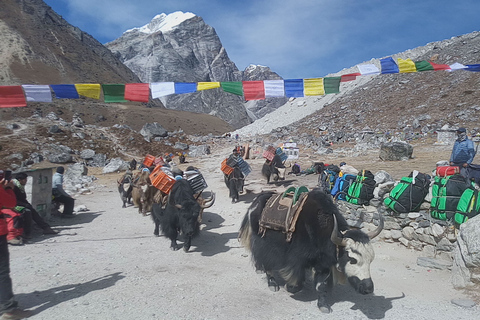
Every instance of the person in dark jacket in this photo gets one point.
(29, 213)
(463, 150)
(8, 306)
(61, 195)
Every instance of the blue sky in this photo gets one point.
(295, 38)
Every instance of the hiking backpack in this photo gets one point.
(409, 193)
(468, 206)
(341, 186)
(446, 193)
(296, 168)
(326, 180)
(361, 190)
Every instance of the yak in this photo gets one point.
(125, 188)
(312, 247)
(143, 192)
(235, 182)
(274, 169)
(180, 215)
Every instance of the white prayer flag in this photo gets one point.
(37, 93)
(160, 89)
(274, 88)
(366, 69)
(457, 66)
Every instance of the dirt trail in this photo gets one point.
(106, 264)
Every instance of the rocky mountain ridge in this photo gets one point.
(181, 47)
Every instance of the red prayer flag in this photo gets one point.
(253, 90)
(350, 77)
(12, 96)
(137, 92)
(437, 67)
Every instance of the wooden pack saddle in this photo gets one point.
(281, 211)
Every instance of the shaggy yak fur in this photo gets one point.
(180, 215)
(313, 247)
(234, 182)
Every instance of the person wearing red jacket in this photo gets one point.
(8, 306)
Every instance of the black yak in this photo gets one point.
(312, 247)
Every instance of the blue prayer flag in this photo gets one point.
(293, 87)
(65, 91)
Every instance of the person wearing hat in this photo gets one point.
(61, 195)
(463, 150)
(29, 213)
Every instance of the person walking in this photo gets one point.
(463, 151)
(61, 195)
(8, 306)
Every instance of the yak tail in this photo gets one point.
(245, 233)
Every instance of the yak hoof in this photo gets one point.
(323, 306)
(293, 289)
(272, 285)
(325, 309)
(186, 248)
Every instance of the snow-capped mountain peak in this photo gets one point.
(163, 22)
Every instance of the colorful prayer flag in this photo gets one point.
(388, 65)
(234, 87)
(274, 88)
(12, 96)
(457, 66)
(313, 87)
(406, 66)
(114, 93)
(90, 90)
(253, 90)
(64, 91)
(331, 84)
(349, 77)
(423, 65)
(137, 92)
(367, 69)
(293, 87)
(473, 67)
(185, 87)
(37, 93)
(437, 67)
(207, 85)
(161, 89)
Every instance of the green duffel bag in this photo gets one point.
(468, 206)
(409, 193)
(446, 193)
(361, 190)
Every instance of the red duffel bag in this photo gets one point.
(14, 221)
(443, 171)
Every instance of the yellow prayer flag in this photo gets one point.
(313, 87)
(90, 90)
(406, 66)
(207, 85)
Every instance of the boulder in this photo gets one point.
(395, 151)
(466, 262)
(152, 130)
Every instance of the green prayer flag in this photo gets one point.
(423, 65)
(331, 84)
(234, 87)
(114, 92)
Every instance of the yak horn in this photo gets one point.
(339, 241)
(209, 202)
(376, 232)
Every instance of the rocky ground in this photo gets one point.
(106, 263)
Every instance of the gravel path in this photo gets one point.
(106, 264)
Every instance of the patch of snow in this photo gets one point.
(164, 23)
